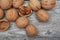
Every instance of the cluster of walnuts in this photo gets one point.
(16, 12)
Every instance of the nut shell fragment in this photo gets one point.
(4, 25)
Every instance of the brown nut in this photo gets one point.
(22, 22)
(4, 25)
(25, 10)
(31, 30)
(42, 15)
(48, 4)
(0, 3)
(11, 15)
(35, 5)
(17, 3)
(6, 4)
(1, 13)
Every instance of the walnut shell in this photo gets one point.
(31, 30)
(48, 4)
(22, 22)
(11, 15)
(0, 3)
(6, 4)
(4, 25)
(25, 10)
(17, 3)
(42, 15)
(35, 4)
(1, 13)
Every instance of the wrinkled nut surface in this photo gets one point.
(17, 3)
(25, 10)
(31, 30)
(0, 3)
(42, 15)
(22, 22)
(6, 4)
(48, 4)
(4, 25)
(11, 15)
(1, 13)
(35, 4)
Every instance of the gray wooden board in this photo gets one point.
(47, 31)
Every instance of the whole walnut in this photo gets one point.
(4, 25)
(31, 30)
(42, 15)
(17, 3)
(35, 5)
(25, 10)
(48, 4)
(1, 13)
(11, 15)
(22, 22)
(6, 4)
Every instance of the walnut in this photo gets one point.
(1, 13)
(25, 10)
(35, 4)
(17, 3)
(42, 15)
(6, 4)
(48, 4)
(22, 22)
(31, 30)
(11, 15)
